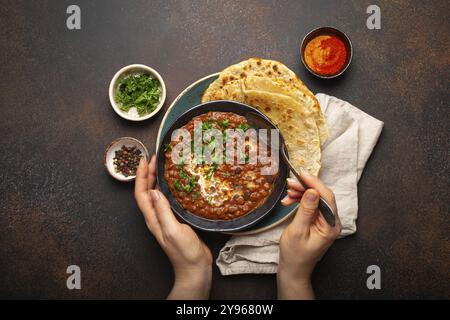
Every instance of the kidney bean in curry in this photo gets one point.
(223, 191)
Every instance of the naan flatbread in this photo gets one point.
(272, 70)
(301, 136)
(276, 91)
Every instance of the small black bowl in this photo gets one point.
(219, 225)
(322, 31)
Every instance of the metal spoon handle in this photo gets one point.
(324, 207)
(327, 212)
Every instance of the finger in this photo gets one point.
(292, 197)
(144, 201)
(315, 183)
(295, 194)
(152, 173)
(164, 213)
(140, 188)
(287, 201)
(307, 212)
(141, 182)
(294, 185)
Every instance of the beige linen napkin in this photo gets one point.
(353, 135)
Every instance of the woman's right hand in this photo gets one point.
(306, 239)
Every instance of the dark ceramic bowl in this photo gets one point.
(220, 225)
(322, 31)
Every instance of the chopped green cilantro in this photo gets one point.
(195, 196)
(191, 184)
(224, 123)
(210, 171)
(177, 185)
(206, 125)
(139, 91)
(244, 126)
(183, 173)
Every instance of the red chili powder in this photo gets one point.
(326, 55)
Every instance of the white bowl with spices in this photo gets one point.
(137, 92)
(122, 158)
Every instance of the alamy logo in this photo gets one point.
(74, 280)
(374, 20)
(374, 280)
(73, 21)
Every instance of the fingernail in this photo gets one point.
(155, 195)
(311, 196)
(291, 180)
(141, 162)
(153, 158)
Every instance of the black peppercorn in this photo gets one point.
(126, 160)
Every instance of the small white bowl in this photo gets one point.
(135, 68)
(117, 145)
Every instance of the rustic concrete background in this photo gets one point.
(59, 207)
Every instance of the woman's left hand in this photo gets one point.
(191, 258)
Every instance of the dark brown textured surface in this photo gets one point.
(59, 207)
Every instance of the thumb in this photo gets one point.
(307, 212)
(163, 211)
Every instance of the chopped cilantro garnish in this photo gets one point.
(224, 123)
(195, 196)
(206, 125)
(244, 126)
(191, 184)
(139, 91)
(177, 185)
(210, 171)
(166, 147)
(180, 164)
(183, 173)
